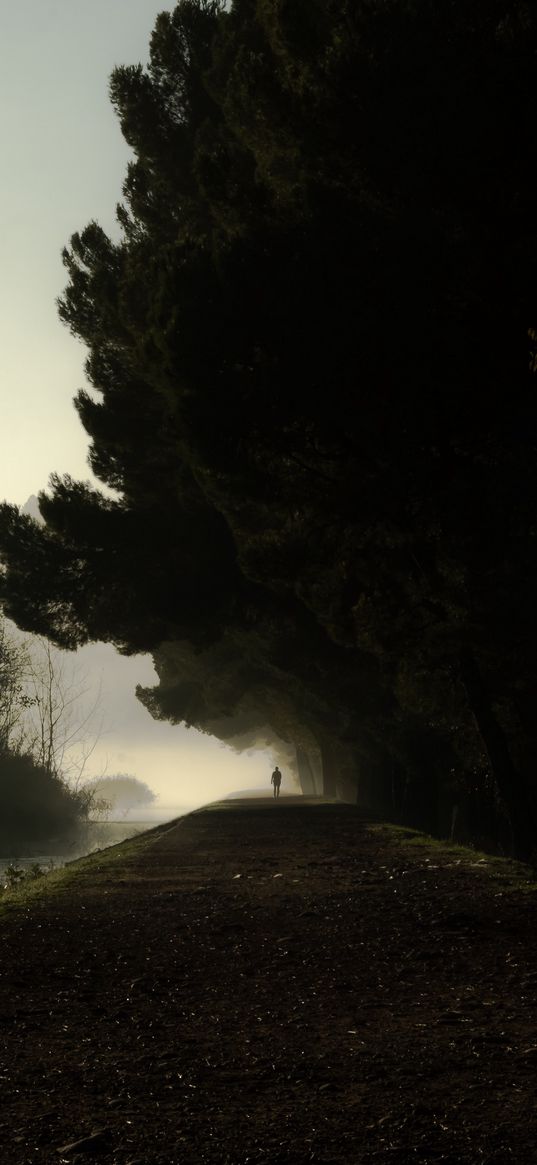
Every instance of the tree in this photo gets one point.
(61, 732)
(120, 793)
(14, 700)
(37, 808)
(37, 803)
(310, 348)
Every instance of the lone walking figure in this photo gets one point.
(276, 780)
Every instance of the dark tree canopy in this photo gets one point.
(311, 350)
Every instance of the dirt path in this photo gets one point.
(270, 983)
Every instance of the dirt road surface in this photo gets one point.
(271, 982)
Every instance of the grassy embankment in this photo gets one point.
(88, 871)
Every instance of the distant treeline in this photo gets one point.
(313, 356)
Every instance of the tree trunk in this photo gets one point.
(511, 785)
(306, 775)
(329, 769)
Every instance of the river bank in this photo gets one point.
(96, 835)
(271, 982)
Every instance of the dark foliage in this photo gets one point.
(311, 352)
(37, 807)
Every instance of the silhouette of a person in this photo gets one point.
(276, 780)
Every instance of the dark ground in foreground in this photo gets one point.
(271, 983)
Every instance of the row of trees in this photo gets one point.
(310, 359)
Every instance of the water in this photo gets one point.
(99, 835)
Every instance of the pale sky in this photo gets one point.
(62, 163)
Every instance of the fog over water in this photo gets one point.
(99, 836)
